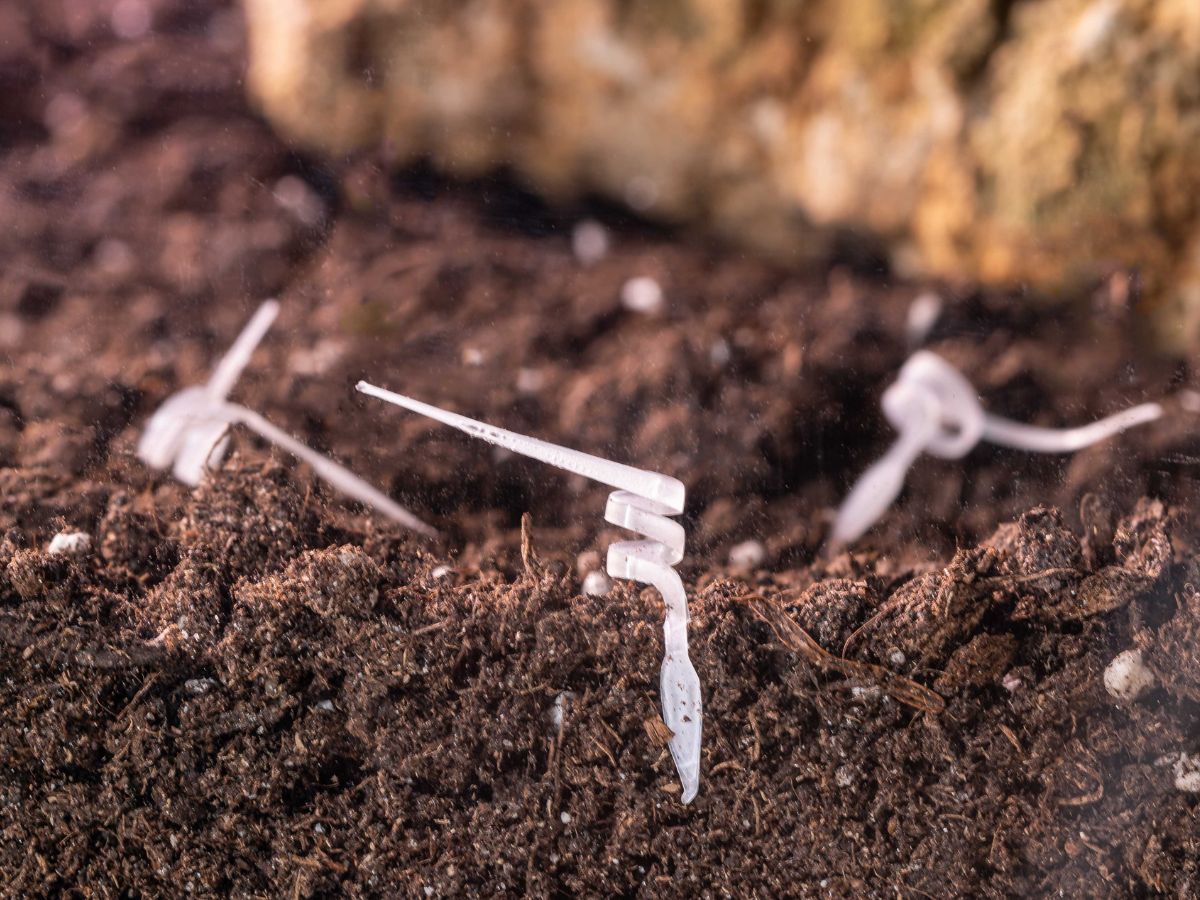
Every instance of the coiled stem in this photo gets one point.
(642, 503)
(936, 410)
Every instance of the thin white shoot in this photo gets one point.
(937, 411)
(189, 433)
(641, 504)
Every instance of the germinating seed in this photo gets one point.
(642, 503)
(937, 411)
(189, 432)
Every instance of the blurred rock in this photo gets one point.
(1051, 142)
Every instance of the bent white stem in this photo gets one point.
(937, 411)
(231, 365)
(641, 504)
(188, 433)
(876, 489)
(338, 476)
(1066, 440)
(666, 490)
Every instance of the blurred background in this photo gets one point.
(1044, 143)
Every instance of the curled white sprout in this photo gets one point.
(189, 433)
(936, 410)
(642, 502)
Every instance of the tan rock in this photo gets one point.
(1046, 142)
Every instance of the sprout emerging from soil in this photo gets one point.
(937, 411)
(642, 502)
(189, 433)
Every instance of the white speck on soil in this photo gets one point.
(923, 314)
(530, 381)
(589, 242)
(642, 295)
(556, 711)
(596, 584)
(747, 555)
(69, 543)
(1127, 676)
(1187, 770)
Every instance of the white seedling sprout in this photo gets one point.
(189, 433)
(642, 502)
(937, 411)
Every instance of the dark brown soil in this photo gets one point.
(255, 689)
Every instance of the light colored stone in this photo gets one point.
(596, 584)
(68, 543)
(1127, 677)
(747, 555)
(1029, 142)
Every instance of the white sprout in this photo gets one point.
(937, 411)
(642, 502)
(189, 433)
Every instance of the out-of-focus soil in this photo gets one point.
(257, 689)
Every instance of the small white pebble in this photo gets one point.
(556, 711)
(293, 195)
(747, 555)
(565, 817)
(596, 584)
(199, 686)
(439, 572)
(325, 705)
(1127, 677)
(69, 542)
(589, 242)
(1012, 682)
(319, 828)
(897, 658)
(642, 295)
(428, 890)
(316, 360)
(1187, 773)
(923, 314)
(530, 381)
(472, 356)
(844, 776)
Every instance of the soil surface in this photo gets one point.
(255, 688)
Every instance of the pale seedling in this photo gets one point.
(642, 502)
(189, 433)
(937, 411)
